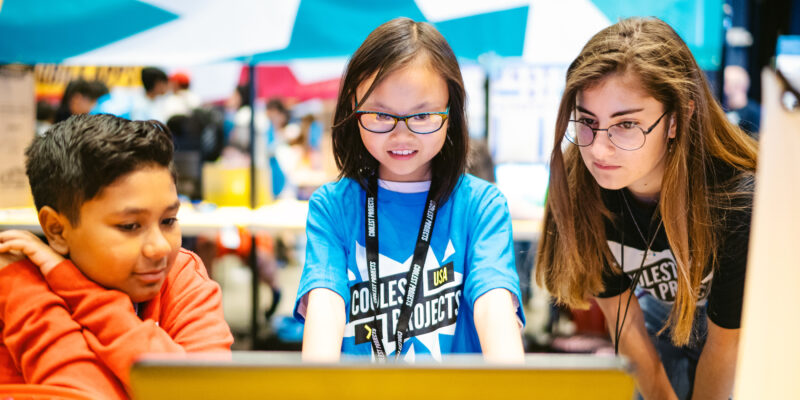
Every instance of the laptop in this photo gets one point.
(276, 375)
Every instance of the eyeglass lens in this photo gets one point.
(626, 138)
(419, 123)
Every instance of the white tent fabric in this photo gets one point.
(206, 31)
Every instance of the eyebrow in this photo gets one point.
(418, 107)
(616, 114)
(135, 211)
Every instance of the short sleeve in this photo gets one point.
(727, 285)
(490, 257)
(326, 263)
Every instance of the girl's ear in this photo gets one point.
(673, 125)
(54, 225)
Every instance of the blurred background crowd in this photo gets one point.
(252, 85)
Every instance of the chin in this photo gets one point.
(143, 295)
(608, 184)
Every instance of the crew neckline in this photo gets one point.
(405, 187)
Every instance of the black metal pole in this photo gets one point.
(253, 261)
(486, 119)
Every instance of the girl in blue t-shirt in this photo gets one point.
(407, 256)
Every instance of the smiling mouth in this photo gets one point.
(402, 152)
(151, 276)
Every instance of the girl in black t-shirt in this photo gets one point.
(653, 196)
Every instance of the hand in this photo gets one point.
(17, 243)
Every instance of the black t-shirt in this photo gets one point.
(722, 289)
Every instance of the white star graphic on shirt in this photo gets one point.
(389, 267)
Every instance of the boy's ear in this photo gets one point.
(54, 224)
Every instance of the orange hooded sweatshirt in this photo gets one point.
(66, 330)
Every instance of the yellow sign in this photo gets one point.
(52, 79)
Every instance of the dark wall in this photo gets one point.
(765, 20)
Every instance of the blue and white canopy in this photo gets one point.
(193, 32)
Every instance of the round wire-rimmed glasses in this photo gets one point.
(625, 135)
(420, 123)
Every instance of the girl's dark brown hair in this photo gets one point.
(391, 47)
(694, 198)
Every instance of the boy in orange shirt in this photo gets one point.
(114, 282)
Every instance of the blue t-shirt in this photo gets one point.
(471, 252)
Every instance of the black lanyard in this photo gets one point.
(617, 326)
(414, 273)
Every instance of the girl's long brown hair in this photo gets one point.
(573, 249)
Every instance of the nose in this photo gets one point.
(157, 245)
(401, 129)
(602, 147)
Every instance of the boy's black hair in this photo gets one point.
(75, 159)
(151, 76)
(390, 47)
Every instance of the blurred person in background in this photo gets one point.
(741, 110)
(45, 115)
(150, 105)
(180, 100)
(237, 114)
(282, 158)
(80, 97)
(198, 138)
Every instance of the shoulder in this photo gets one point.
(15, 270)
(188, 265)
(340, 191)
(474, 190)
(732, 197)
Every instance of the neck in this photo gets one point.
(421, 175)
(645, 197)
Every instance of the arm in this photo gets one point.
(716, 367)
(492, 283)
(324, 328)
(188, 315)
(498, 330)
(322, 293)
(40, 339)
(635, 343)
(717, 364)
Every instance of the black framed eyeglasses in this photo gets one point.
(420, 123)
(625, 135)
